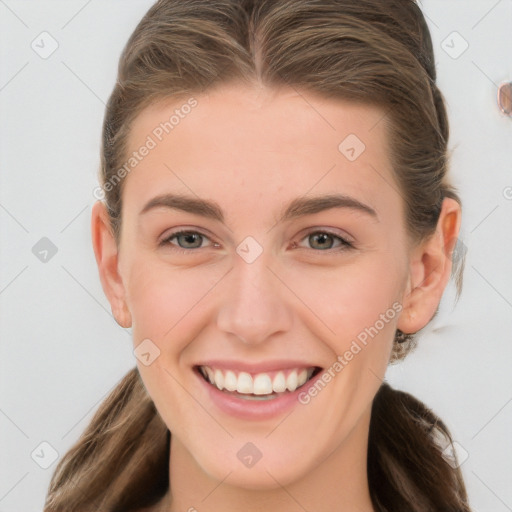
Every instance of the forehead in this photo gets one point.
(247, 141)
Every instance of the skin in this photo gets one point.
(252, 150)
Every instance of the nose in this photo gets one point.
(254, 305)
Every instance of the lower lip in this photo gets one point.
(254, 409)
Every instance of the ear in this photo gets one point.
(430, 270)
(106, 253)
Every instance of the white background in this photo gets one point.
(61, 350)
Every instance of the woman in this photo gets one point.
(277, 224)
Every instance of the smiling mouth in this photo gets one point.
(260, 386)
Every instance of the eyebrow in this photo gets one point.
(298, 207)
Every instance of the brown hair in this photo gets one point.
(369, 51)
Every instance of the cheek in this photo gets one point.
(167, 302)
(168, 308)
(353, 299)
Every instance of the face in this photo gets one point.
(295, 269)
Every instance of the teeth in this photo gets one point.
(261, 385)
(230, 381)
(291, 381)
(209, 374)
(302, 377)
(279, 383)
(218, 379)
(244, 384)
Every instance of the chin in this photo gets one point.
(258, 478)
(268, 469)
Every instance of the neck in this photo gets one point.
(339, 482)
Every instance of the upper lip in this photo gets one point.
(261, 367)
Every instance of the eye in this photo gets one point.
(186, 241)
(325, 240)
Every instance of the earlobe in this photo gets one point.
(430, 270)
(106, 254)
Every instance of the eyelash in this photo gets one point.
(345, 244)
